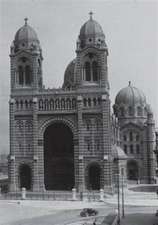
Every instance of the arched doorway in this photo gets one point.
(58, 157)
(25, 176)
(94, 175)
(132, 170)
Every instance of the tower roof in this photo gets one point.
(26, 37)
(91, 33)
(91, 29)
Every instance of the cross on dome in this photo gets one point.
(26, 19)
(91, 14)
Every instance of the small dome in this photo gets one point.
(91, 33)
(118, 153)
(69, 75)
(26, 37)
(130, 96)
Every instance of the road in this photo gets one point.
(67, 216)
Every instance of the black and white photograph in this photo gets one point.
(78, 112)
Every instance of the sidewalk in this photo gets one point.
(132, 198)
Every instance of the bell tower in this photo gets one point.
(92, 52)
(26, 60)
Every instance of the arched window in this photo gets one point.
(137, 137)
(131, 136)
(27, 75)
(88, 71)
(21, 75)
(124, 137)
(137, 149)
(131, 149)
(91, 71)
(95, 70)
(130, 111)
(85, 102)
(139, 111)
(89, 102)
(125, 149)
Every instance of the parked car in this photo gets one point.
(156, 214)
(88, 212)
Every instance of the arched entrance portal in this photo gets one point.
(58, 157)
(94, 174)
(132, 170)
(25, 176)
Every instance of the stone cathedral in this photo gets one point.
(68, 137)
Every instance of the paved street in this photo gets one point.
(139, 210)
(140, 219)
(53, 213)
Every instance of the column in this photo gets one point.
(107, 162)
(35, 146)
(12, 172)
(81, 179)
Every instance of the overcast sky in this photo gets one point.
(130, 27)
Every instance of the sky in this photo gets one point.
(131, 31)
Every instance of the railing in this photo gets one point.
(52, 195)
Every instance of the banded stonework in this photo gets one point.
(66, 137)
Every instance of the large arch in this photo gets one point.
(58, 157)
(25, 176)
(132, 170)
(93, 176)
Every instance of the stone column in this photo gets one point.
(107, 143)
(35, 71)
(35, 146)
(81, 179)
(74, 198)
(150, 148)
(23, 193)
(12, 172)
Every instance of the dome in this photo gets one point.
(91, 33)
(91, 29)
(69, 75)
(26, 37)
(118, 153)
(130, 96)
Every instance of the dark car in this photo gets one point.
(156, 214)
(88, 212)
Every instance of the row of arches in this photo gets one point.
(93, 175)
(93, 178)
(91, 102)
(132, 111)
(131, 149)
(57, 104)
(23, 104)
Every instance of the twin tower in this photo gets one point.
(63, 138)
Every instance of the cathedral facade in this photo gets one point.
(68, 137)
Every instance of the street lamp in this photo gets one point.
(123, 207)
(118, 198)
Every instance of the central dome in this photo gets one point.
(91, 33)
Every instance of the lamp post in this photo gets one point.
(123, 208)
(118, 198)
